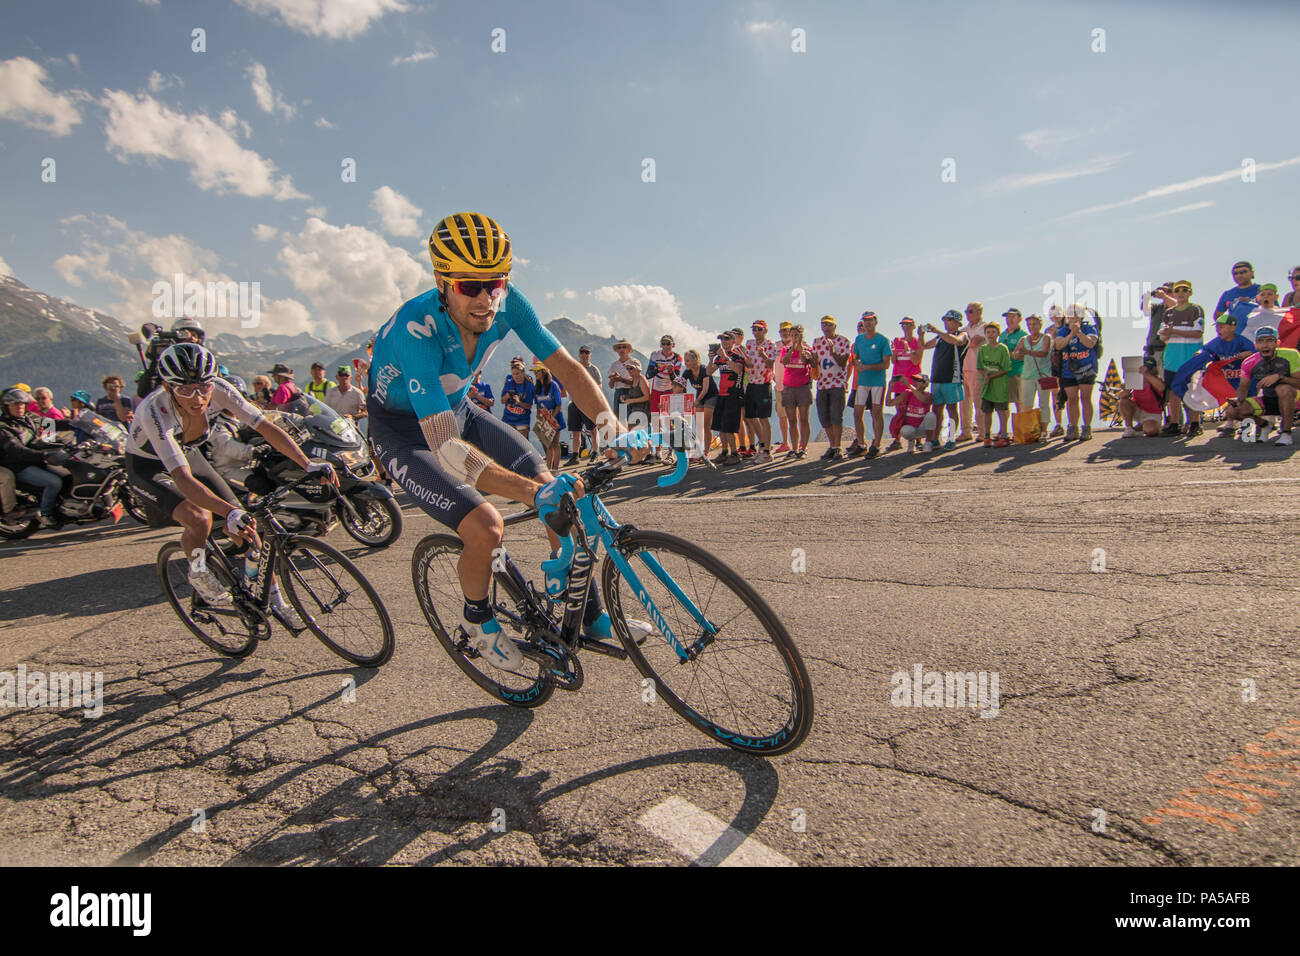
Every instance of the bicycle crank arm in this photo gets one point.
(601, 647)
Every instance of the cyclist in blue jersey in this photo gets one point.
(446, 451)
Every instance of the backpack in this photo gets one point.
(1097, 319)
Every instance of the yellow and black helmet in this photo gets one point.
(469, 242)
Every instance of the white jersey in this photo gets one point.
(157, 426)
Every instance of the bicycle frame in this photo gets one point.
(595, 523)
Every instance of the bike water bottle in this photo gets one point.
(251, 559)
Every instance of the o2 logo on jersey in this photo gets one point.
(416, 387)
(422, 330)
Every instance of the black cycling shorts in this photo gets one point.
(758, 400)
(401, 448)
(156, 491)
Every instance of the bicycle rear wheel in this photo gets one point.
(227, 630)
(438, 589)
(336, 601)
(748, 687)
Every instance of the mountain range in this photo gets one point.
(50, 341)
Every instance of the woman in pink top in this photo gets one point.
(971, 377)
(797, 364)
(904, 349)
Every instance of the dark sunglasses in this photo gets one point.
(472, 288)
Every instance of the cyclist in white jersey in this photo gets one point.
(444, 450)
(169, 474)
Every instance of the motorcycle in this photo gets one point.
(94, 487)
(365, 508)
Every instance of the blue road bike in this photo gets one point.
(718, 656)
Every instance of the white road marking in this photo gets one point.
(1237, 481)
(704, 839)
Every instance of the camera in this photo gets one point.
(159, 340)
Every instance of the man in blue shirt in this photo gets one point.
(445, 451)
(517, 397)
(1243, 273)
(871, 355)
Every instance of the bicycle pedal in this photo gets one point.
(601, 647)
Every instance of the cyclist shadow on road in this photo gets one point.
(84, 595)
(469, 795)
(377, 825)
(75, 743)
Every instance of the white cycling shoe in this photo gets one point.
(494, 645)
(206, 586)
(601, 629)
(283, 610)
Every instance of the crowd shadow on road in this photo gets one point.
(71, 534)
(811, 474)
(84, 595)
(1129, 453)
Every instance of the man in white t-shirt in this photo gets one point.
(346, 400)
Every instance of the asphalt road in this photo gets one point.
(1119, 689)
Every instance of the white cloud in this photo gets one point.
(264, 233)
(142, 126)
(336, 19)
(758, 27)
(158, 82)
(398, 216)
(75, 61)
(25, 98)
(129, 262)
(643, 313)
(1192, 207)
(569, 294)
(323, 123)
(268, 99)
(5, 270)
(317, 211)
(351, 276)
(1091, 167)
(1047, 140)
(550, 296)
(1181, 187)
(416, 57)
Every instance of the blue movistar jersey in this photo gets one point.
(419, 366)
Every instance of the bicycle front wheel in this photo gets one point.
(233, 630)
(747, 687)
(335, 601)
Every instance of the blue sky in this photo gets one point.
(775, 170)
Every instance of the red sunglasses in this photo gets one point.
(472, 288)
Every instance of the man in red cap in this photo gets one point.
(760, 356)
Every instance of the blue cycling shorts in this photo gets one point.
(401, 449)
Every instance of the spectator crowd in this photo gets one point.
(1045, 367)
